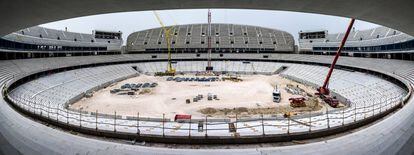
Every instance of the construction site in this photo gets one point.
(223, 77)
(222, 95)
(247, 96)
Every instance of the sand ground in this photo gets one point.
(255, 91)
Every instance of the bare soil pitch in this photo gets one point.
(251, 96)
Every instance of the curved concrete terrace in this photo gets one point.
(368, 101)
(392, 135)
(21, 14)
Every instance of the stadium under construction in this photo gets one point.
(206, 88)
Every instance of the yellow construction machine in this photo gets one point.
(168, 32)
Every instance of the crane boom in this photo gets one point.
(159, 19)
(324, 89)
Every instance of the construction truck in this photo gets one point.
(297, 102)
(276, 95)
(324, 95)
(331, 101)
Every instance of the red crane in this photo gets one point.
(323, 91)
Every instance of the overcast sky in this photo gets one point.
(129, 22)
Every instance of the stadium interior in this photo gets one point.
(207, 88)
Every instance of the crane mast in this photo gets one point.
(167, 34)
(209, 68)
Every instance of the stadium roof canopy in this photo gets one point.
(19, 14)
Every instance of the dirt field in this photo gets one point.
(251, 96)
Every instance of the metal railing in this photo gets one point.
(207, 126)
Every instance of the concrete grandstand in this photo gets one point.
(60, 68)
(380, 42)
(43, 42)
(22, 67)
(226, 38)
(50, 96)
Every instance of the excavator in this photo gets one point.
(167, 33)
(324, 92)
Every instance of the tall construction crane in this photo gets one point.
(323, 91)
(167, 34)
(209, 68)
